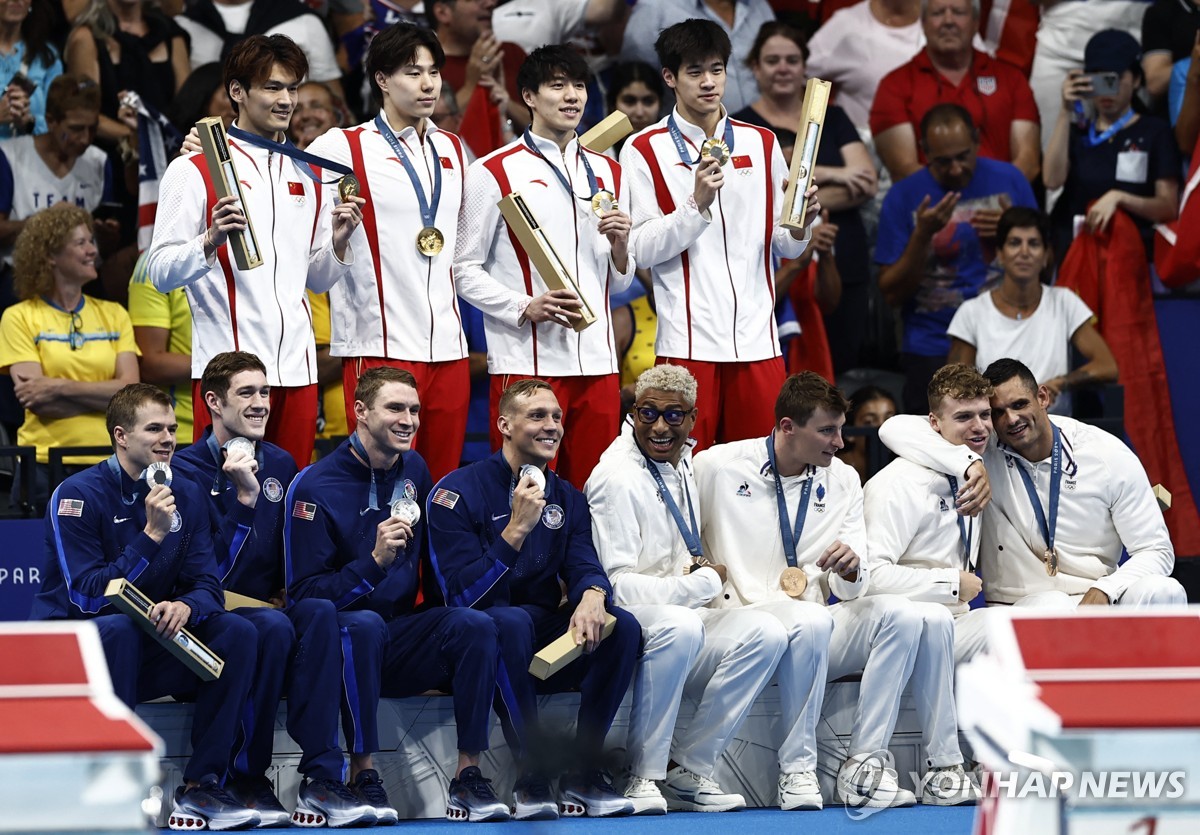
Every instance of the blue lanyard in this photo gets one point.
(215, 450)
(373, 497)
(681, 146)
(587, 167)
(1094, 139)
(1047, 525)
(289, 150)
(428, 207)
(115, 467)
(964, 532)
(791, 538)
(691, 535)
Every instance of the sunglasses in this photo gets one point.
(75, 336)
(673, 417)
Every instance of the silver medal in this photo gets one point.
(244, 444)
(535, 474)
(406, 509)
(158, 473)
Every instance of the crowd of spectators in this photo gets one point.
(930, 139)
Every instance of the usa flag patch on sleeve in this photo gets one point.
(70, 507)
(304, 510)
(445, 498)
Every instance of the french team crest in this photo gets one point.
(986, 84)
(553, 517)
(272, 489)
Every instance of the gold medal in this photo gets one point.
(348, 187)
(1051, 558)
(793, 581)
(717, 149)
(603, 201)
(430, 241)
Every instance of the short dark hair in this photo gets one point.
(947, 113)
(222, 368)
(629, 72)
(769, 30)
(802, 394)
(373, 379)
(71, 92)
(1003, 370)
(959, 381)
(123, 407)
(250, 61)
(864, 395)
(1021, 217)
(396, 47)
(690, 42)
(548, 62)
(520, 389)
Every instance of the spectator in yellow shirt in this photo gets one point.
(162, 326)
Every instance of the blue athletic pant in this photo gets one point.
(142, 669)
(449, 649)
(298, 653)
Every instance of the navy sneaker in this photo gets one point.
(533, 800)
(592, 793)
(330, 803)
(258, 794)
(209, 805)
(369, 789)
(472, 799)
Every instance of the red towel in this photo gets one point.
(480, 125)
(1176, 251)
(810, 350)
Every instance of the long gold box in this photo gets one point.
(607, 132)
(561, 652)
(185, 646)
(225, 182)
(804, 154)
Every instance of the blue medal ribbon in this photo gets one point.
(1047, 525)
(428, 207)
(289, 150)
(964, 532)
(681, 144)
(373, 497)
(791, 537)
(527, 138)
(1094, 139)
(691, 535)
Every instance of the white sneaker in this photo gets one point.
(799, 790)
(864, 780)
(647, 799)
(686, 791)
(949, 786)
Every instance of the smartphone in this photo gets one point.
(23, 81)
(1104, 84)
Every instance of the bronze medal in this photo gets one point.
(602, 202)
(348, 187)
(430, 241)
(717, 149)
(1051, 558)
(793, 581)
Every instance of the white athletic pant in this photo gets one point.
(1152, 590)
(933, 686)
(721, 658)
(970, 634)
(878, 635)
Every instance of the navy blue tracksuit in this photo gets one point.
(392, 644)
(522, 590)
(298, 649)
(94, 534)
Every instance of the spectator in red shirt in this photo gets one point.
(950, 70)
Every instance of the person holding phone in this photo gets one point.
(1104, 152)
(28, 63)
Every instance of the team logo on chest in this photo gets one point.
(986, 84)
(942, 506)
(410, 489)
(272, 489)
(176, 521)
(744, 490)
(1070, 483)
(296, 190)
(553, 517)
(819, 504)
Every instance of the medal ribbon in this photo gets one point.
(1047, 525)
(791, 538)
(587, 167)
(215, 449)
(964, 532)
(1094, 139)
(681, 144)
(691, 535)
(289, 150)
(373, 497)
(115, 467)
(429, 206)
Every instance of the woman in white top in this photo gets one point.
(1028, 321)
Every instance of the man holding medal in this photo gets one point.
(575, 196)
(299, 650)
(354, 533)
(707, 195)
(127, 518)
(645, 522)
(812, 546)
(399, 308)
(303, 240)
(1067, 498)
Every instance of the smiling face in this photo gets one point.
(1021, 421)
(75, 263)
(245, 409)
(151, 439)
(314, 114)
(532, 430)
(780, 67)
(1023, 255)
(698, 88)
(266, 108)
(966, 422)
(557, 105)
(388, 425)
(815, 443)
(659, 439)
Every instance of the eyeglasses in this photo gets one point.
(75, 336)
(673, 417)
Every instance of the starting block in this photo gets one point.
(1086, 722)
(72, 755)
